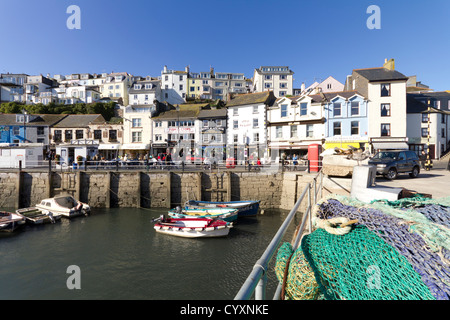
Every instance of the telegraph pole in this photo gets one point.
(428, 163)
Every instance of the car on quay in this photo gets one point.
(391, 163)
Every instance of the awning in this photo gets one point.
(134, 146)
(390, 145)
(109, 146)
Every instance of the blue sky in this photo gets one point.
(314, 38)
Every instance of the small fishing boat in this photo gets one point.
(10, 221)
(226, 214)
(245, 208)
(34, 215)
(192, 228)
(65, 205)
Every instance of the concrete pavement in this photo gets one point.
(435, 182)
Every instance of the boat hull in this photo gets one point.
(245, 208)
(228, 215)
(9, 221)
(35, 216)
(193, 228)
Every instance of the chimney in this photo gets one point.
(389, 64)
(303, 87)
(165, 69)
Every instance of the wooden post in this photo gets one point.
(169, 193)
(199, 186)
(108, 189)
(229, 186)
(139, 179)
(18, 190)
(78, 185)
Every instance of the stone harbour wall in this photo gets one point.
(105, 189)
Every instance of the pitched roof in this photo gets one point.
(328, 96)
(265, 97)
(380, 74)
(40, 120)
(212, 113)
(79, 120)
(185, 111)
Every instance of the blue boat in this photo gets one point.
(245, 208)
(226, 214)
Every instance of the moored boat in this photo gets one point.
(245, 208)
(10, 221)
(34, 215)
(65, 205)
(226, 214)
(192, 228)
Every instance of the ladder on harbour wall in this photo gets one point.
(257, 280)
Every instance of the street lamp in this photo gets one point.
(24, 112)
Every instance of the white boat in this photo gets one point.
(10, 221)
(34, 215)
(193, 228)
(65, 205)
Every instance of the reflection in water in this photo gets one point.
(121, 257)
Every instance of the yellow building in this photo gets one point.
(116, 87)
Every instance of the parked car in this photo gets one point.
(391, 163)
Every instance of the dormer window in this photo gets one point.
(148, 86)
(137, 87)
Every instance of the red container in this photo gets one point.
(313, 156)
(231, 163)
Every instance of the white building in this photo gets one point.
(145, 91)
(247, 125)
(330, 84)
(174, 85)
(385, 89)
(278, 79)
(434, 106)
(293, 124)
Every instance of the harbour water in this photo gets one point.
(120, 256)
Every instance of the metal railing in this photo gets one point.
(257, 280)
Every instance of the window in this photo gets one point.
(205, 123)
(112, 135)
(279, 131)
(385, 109)
(267, 77)
(136, 136)
(443, 134)
(79, 134)
(309, 130)
(282, 93)
(158, 137)
(355, 128)
(256, 137)
(255, 123)
(337, 109)
(181, 78)
(158, 124)
(284, 110)
(181, 87)
(68, 135)
(283, 77)
(267, 85)
(235, 124)
(57, 135)
(424, 132)
(385, 129)
(97, 134)
(255, 109)
(293, 131)
(235, 112)
(218, 122)
(136, 122)
(283, 85)
(424, 117)
(336, 128)
(303, 109)
(16, 131)
(385, 89)
(354, 108)
(191, 89)
(235, 138)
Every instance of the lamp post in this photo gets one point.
(428, 164)
(24, 127)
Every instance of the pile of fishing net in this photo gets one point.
(395, 250)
